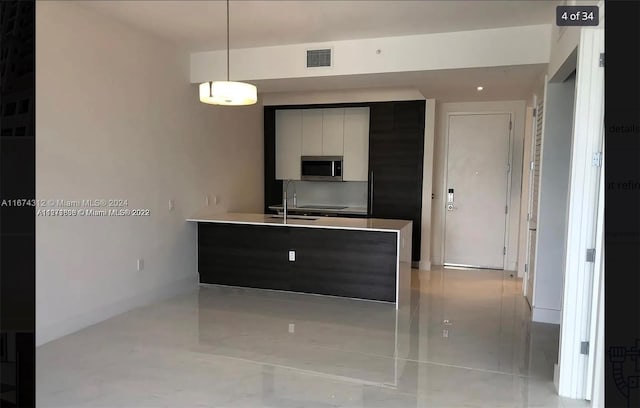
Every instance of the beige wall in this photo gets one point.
(491, 47)
(116, 117)
(517, 108)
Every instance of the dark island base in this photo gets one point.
(349, 263)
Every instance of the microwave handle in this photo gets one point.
(333, 168)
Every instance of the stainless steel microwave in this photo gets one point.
(321, 168)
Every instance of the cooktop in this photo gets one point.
(327, 207)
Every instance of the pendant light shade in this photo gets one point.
(228, 92)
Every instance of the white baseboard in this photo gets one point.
(67, 326)
(425, 265)
(546, 315)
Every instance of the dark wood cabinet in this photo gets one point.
(272, 187)
(252, 256)
(349, 263)
(396, 153)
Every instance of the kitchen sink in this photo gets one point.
(295, 217)
(324, 207)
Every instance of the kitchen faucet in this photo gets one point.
(286, 190)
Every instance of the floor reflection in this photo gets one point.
(465, 339)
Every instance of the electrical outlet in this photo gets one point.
(292, 328)
(445, 333)
(292, 256)
(140, 264)
(216, 199)
(170, 205)
(206, 200)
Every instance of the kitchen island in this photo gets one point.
(363, 258)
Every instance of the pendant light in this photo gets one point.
(228, 92)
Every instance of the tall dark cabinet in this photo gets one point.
(396, 153)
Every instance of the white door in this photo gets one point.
(534, 189)
(476, 191)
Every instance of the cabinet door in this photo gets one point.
(254, 256)
(312, 132)
(356, 144)
(332, 131)
(288, 144)
(396, 151)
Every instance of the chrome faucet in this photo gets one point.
(286, 201)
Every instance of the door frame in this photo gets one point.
(581, 279)
(443, 210)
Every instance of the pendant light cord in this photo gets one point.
(227, 40)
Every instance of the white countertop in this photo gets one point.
(365, 224)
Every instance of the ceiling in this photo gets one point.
(500, 83)
(200, 25)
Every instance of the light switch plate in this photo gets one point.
(292, 256)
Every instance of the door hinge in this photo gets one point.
(584, 348)
(602, 59)
(532, 165)
(535, 112)
(508, 167)
(591, 255)
(506, 209)
(504, 250)
(526, 268)
(596, 160)
(528, 216)
(510, 125)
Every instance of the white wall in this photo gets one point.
(564, 40)
(118, 118)
(347, 193)
(463, 49)
(552, 214)
(427, 185)
(517, 109)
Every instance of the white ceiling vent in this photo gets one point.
(319, 58)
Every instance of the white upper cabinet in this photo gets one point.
(323, 132)
(355, 166)
(312, 132)
(288, 144)
(332, 131)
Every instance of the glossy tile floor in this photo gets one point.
(466, 340)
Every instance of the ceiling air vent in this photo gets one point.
(319, 58)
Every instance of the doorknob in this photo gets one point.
(450, 207)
